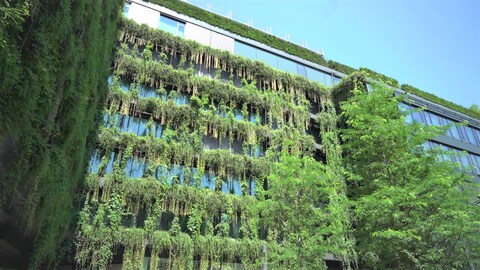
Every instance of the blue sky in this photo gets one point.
(433, 45)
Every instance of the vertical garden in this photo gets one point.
(54, 62)
(201, 172)
(124, 144)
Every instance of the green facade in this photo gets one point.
(163, 195)
(54, 61)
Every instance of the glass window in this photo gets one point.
(208, 181)
(477, 135)
(462, 132)
(232, 186)
(109, 168)
(172, 26)
(464, 160)
(426, 117)
(267, 58)
(176, 174)
(158, 130)
(315, 75)
(181, 29)
(470, 135)
(95, 160)
(181, 99)
(245, 50)
(417, 117)
(302, 70)
(238, 114)
(336, 80)
(454, 132)
(328, 79)
(162, 173)
(472, 162)
(448, 156)
(133, 124)
(224, 143)
(135, 167)
(287, 65)
(126, 7)
(148, 92)
(255, 151)
(123, 122)
(435, 120)
(251, 186)
(142, 127)
(237, 146)
(477, 158)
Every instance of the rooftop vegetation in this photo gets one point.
(293, 49)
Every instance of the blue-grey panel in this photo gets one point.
(267, 58)
(287, 65)
(316, 75)
(245, 50)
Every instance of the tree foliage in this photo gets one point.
(412, 210)
(300, 212)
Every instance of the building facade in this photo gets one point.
(192, 114)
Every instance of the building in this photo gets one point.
(186, 130)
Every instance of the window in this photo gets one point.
(208, 181)
(172, 26)
(245, 50)
(417, 117)
(301, 70)
(232, 186)
(436, 120)
(255, 151)
(315, 75)
(136, 166)
(267, 58)
(238, 114)
(148, 92)
(336, 80)
(95, 160)
(287, 65)
(126, 8)
(470, 136)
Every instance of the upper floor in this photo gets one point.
(184, 26)
(459, 137)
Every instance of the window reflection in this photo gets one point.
(463, 133)
(171, 26)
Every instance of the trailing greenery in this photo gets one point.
(186, 152)
(379, 77)
(431, 97)
(53, 69)
(241, 29)
(248, 32)
(278, 106)
(234, 65)
(202, 220)
(129, 198)
(302, 214)
(412, 210)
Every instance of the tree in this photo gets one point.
(305, 214)
(412, 210)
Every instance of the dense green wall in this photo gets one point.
(155, 214)
(54, 60)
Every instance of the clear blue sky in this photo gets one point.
(433, 45)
